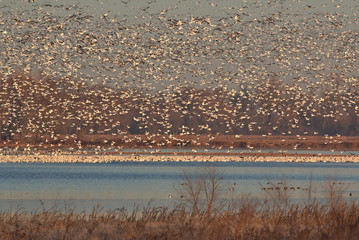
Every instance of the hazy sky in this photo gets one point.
(160, 43)
(187, 8)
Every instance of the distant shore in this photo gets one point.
(121, 148)
(108, 158)
(189, 140)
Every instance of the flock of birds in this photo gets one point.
(165, 62)
(91, 158)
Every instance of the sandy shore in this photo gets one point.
(170, 158)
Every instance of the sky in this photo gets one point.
(157, 44)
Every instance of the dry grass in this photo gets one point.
(193, 141)
(203, 214)
(246, 220)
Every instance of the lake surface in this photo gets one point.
(123, 184)
(239, 150)
(186, 150)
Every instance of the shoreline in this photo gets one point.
(73, 158)
(346, 143)
(193, 148)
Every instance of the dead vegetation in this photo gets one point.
(118, 142)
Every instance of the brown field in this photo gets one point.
(192, 141)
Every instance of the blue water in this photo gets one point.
(115, 185)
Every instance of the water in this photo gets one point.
(116, 185)
(141, 151)
(238, 150)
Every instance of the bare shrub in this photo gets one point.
(203, 191)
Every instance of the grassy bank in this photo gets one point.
(247, 219)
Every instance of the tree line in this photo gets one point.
(32, 107)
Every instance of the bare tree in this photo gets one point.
(203, 191)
